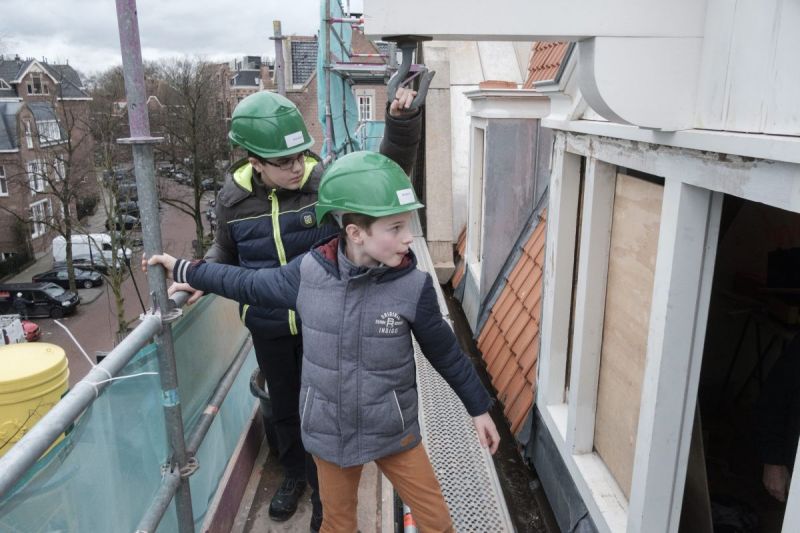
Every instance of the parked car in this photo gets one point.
(129, 207)
(83, 278)
(84, 264)
(37, 299)
(123, 220)
(32, 330)
(210, 184)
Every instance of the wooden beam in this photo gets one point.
(560, 249)
(683, 276)
(590, 302)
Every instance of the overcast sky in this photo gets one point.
(85, 31)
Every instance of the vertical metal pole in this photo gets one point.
(280, 80)
(142, 144)
(327, 68)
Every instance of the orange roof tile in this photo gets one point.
(518, 411)
(545, 60)
(509, 340)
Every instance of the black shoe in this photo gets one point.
(284, 503)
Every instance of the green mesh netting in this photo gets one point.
(344, 111)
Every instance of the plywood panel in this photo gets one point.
(631, 267)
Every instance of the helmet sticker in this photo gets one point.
(293, 139)
(406, 196)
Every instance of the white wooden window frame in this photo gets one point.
(41, 211)
(366, 104)
(682, 283)
(49, 132)
(4, 84)
(36, 180)
(3, 181)
(475, 198)
(28, 134)
(44, 87)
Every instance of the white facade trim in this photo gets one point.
(691, 210)
(559, 263)
(687, 244)
(590, 300)
(512, 20)
(761, 146)
(768, 182)
(595, 484)
(508, 103)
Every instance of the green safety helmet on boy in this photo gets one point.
(368, 183)
(269, 125)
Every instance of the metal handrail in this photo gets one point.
(24, 454)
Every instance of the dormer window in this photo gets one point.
(37, 86)
(4, 85)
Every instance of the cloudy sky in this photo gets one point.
(85, 31)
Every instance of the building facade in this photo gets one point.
(44, 142)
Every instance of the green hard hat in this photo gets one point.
(368, 183)
(269, 125)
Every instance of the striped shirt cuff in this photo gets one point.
(181, 268)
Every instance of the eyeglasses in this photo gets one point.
(286, 163)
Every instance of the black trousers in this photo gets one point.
(280, 361)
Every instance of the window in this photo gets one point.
(40, 212)
(4, 85)
(59, 169)
(28, 134)
(366, 107)
(3, 181)
(36, 176)
(49, 131)
(36, 85)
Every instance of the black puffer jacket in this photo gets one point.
(264, 228)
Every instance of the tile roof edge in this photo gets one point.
(511, 261)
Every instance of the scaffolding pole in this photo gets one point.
(142, 144)
(326, 64)
(280, 80)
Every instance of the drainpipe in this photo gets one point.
(280, 81)
(142, 144)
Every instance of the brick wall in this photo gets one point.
(306, 101)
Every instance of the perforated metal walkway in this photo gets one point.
(465, 470)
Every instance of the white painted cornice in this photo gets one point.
(508, 103)
(638, 60)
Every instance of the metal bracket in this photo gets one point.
(407, 44)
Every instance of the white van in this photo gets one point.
(94, 249)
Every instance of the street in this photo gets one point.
(94, 323)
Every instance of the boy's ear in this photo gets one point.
(353, 233)
(256, 164)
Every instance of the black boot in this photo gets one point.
(284, 503)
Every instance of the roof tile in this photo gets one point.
(509, 340)
(545, 61)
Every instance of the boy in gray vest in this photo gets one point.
(360, 297)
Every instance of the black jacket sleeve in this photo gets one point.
(440, 346)
(264, 287)
(401, 139)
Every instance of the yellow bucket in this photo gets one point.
(33, 378)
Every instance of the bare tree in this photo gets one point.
(193, 123)
(108, 123)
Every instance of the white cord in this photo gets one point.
(71, 336)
